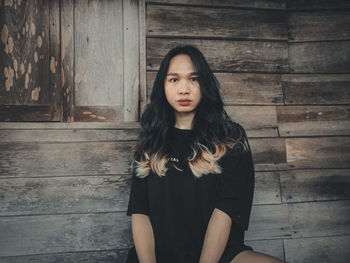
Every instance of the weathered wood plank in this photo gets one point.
(60, 195)
(273, 247)
(322, 152)
(269, 153)
(245, 56)
(318, 249)
(99, 53)
(54, 159)
(258, 121)
(99, 113)
(315, 185)
(312, 219)
(319, 25)
(268, 222)
(92, 194)
(55, 61)
(313, 120)
(317, 4)
(181, 21)
(67, 60)
(243, 88)
(316, 89)
(25, 235)
(64, 125)
(319, 57)
(265, 4)
(109, 256)
(267, 188)
(93, 158)
(76, 135)
(24, 53)
(143, 71)
(131, 59)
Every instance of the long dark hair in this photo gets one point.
(213, 128)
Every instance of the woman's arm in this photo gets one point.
(143, 236)
(216, 237)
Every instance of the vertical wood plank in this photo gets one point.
(131, 59)
(143, 72)
(55, 61)
(67, 60)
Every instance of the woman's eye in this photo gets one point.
(173, 80)
(194, 79)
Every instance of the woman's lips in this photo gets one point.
(184, 102)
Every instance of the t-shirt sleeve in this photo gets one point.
(138, 200)
(235, 190)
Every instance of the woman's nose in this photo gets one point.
(184, 88)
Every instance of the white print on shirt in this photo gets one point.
(174, 159)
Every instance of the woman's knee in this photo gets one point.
(249, 256)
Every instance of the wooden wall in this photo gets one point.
(285, 74)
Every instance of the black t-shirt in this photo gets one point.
(180, 205)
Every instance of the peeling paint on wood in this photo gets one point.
(4, 34)
(36, 57)
(35, 93)
(40, 41)
(53, 65)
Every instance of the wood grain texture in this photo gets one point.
(25, 235)
(313, 120)
(67, 60)
(273, 247)
(316, 219)
(267, 188)
(131, 63)
(99, 53)
(317, 4)
(318, 249)
(194, 22)
(54, 159)
(269, 153)
(71, 135)
(92, 194)
(319, 25)
(62, 195)
(315, 185)
(260, 4)
(318, 152)
(319, 57)
(242, 88)
(268, 222)
(258, 121)
(108, 256)
(244, 56)
(316, 88)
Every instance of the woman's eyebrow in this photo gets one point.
(177, 74)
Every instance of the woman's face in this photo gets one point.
(181, 85)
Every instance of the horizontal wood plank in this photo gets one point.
(273, 247)
(258, 121)
(316, 88)
(318, 249)
(317, 4)
(319, 57)
(54, 159)
(243, 88)
(57, 195)
(25, 235)
(313, 120)
(268, 4)
(109, 256)
(315, 185)
(312, 219)
(321, 152)
(71, 135)
(87, 194)
(246, 56)
(319, 25)
(181, 21)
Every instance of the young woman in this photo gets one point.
(193, 174)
